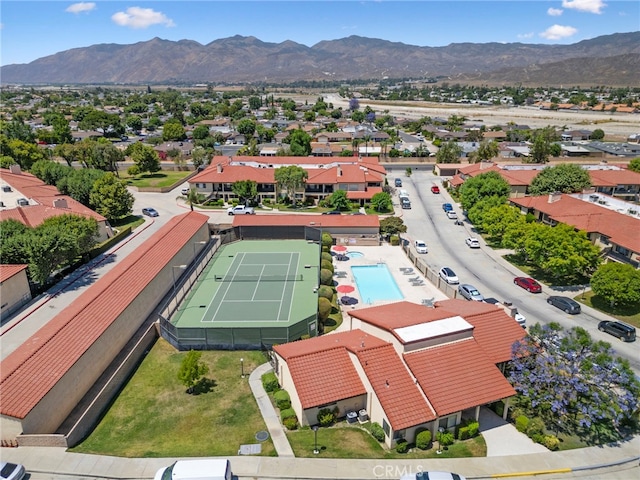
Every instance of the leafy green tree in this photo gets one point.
(25, 154)
(110, 197)
(144, 156)
(291, 178)
(16, 129)
(200, 132)
(496, 220)
(12, 242)
(449, 152)
(201, 156)
(484, 185)
(476, 214)
(246, 127)
(358, 116)
(618, 283)
(47, 249)
(634, 165)
(105, 156)
(83, 229)
(392, 226)
(565, 178)
(192, 197)
(192, 369)
(134, 122)
(50, 172)
(299, 143)
(173, 130)
(597, 134)
(247, 190)
(540, 150)
(107, 123)
(381, 202)
(338, 200)
(79, 183)
(487, 150)
(255, 102)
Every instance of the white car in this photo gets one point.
(448, 276)
(421, 246)
(472, 242)
(452, 215)
(11, 471)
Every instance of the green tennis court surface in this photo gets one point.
(258, 283)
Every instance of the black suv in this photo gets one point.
(624, 332)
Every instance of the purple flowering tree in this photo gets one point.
(574, 384)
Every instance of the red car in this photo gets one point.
(529, 284)
(435, 189)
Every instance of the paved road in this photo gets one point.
(486, 269)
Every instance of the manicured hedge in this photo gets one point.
(423, 440)
(282, 399)
(377, 431)
(270, 382)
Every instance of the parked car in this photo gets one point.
(11, 471)
(448, 276)
(432, 476)
(398, 182)
(332, 212)
(621, 330)
(435, 189)
(563, 303)
(452, 215)
(405, 203)
(472, 242)
(421, 246)
(185, 191)
(447, 207)
(529, 284)
(150, 212)
(470, 292)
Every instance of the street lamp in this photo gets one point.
(242, 367)
(315, 434)
(173, 273)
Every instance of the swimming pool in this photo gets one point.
(375, 283)
(354, 254)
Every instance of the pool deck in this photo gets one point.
(395, 259)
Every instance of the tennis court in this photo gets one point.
(266, 287)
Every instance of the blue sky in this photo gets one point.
(34, 29)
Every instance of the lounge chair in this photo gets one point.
(417, 284)
(415, 279)
(409, 272)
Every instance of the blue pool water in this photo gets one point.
(375, 283)
(354, 254)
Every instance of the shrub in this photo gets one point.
(282, 399)
(402, 446)
(326, 256)
(423, 440)
(325, 291)
(327, 265)
(535, 426)
(290, 423)
(326, 417)
(474, 428)
(287, 413)
(551, 442)
(377, 432)
(326, 277)
(270, 382)
(324, 309)
(463, 433)
(516, 412)
(522, 422)
(445, 438)
(394, 240)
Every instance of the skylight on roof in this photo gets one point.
(437, 328)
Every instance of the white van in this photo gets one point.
(403, 193)
(205, 469)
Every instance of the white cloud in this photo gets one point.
(526, 35)
(81, 7)
(554, 12)
(136, 17)
(557, 32)
(589, 6)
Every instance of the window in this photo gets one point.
(385, 427)
(398, 434)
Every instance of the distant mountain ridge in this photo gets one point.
(612, 60)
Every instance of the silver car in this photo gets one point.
(470, 292)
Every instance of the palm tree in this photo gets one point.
(192, 197)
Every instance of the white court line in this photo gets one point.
(255, 290)
(225, 292)
(297, 263)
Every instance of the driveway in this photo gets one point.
(503, 439)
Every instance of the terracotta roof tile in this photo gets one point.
(325, 377)
(450, 384)
(29, 372)
(8, 271)
(352, 340)
(401, 400)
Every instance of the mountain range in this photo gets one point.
(611, 60)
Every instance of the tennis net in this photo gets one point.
(258, 278)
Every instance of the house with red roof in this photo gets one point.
(616, 232)
(360, 177)
(14, 288)
(405, 366)
(28, 200)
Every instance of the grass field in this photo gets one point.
(154, 416)
(630, 315)
(345, 441)
(164, 178)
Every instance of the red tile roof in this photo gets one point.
(456, 376)
(325, 377)
(8, 271)
(613, 178)
(620, 228)
(401, 400)
(29, 372)
(316, 221)
(353, 340)
(399, 314)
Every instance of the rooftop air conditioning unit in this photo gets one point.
(22, 202)
(6, 188)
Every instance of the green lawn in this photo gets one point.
(164, 178)
(154, 416)
(345, 441)
(630, 315)
(542, 276)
